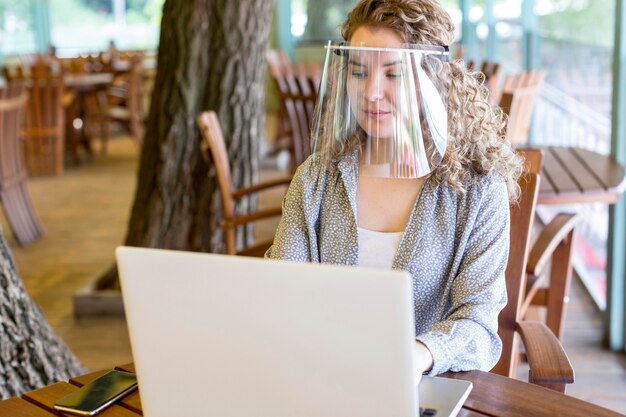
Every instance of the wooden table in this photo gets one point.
(87, 82)
(493, 395)
(83, 85)
(574, 175)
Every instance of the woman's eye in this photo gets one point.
(394, 75)
(358, 74)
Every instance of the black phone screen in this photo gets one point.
(99, 393)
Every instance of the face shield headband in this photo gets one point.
(389, 105)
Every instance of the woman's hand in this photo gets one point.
(422, 360)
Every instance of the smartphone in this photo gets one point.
(95, 396)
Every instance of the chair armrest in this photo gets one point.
(549, 365)
(253, 217)
(241, 192)
(549, 238)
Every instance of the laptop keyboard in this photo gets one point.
(427, 412)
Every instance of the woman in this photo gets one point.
(410, 171)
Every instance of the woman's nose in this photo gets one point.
(374, 89)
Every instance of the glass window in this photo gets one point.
(496, 37)
(317, 21)
(577, 49)
(89, 25)
(16, 28)
(507, 26)
(574, 109)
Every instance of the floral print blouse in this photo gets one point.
(455, 246)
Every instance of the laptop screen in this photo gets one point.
(234, 336)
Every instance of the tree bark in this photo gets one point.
(31, 354)
(211, 57)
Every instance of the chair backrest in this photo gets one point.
(522, 215)
(517, 100)
(492, 79)
(213, 147)
(297, 95)
(75, 65)
(14, 196)
(279, 66)
(87, 64)
(299, 105)
(44, 118)
(12, 101)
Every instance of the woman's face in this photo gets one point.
(372, 80)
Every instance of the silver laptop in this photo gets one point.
(227, 336)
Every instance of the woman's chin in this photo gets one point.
(380, 134)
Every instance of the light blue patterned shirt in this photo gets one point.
(455, 246)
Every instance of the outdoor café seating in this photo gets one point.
(44, 116)
(549, 365)
(178, 125)
(297, 95)
(125, 99)
(517, 99)
(14, 195)
(214, 149)
(492, 73)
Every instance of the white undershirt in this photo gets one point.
(377, 249)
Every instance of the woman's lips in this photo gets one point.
(376, 114)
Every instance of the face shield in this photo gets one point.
(388, 104)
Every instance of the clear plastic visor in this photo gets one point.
(390, 105)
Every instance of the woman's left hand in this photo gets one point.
(422, 360)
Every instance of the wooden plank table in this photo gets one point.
(574, 175)
(493, 395)
(83, 85)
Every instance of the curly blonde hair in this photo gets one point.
(476, 143)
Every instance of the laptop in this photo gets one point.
(216, 335)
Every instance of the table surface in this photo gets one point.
(573, 175)
(492, 395)
(88, 80)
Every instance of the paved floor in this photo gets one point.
(85, 212)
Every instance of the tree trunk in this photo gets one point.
(31, 354)
(211, 57)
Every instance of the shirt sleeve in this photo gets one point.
(467, 336)
(296, 238)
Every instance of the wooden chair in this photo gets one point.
(44, 119)
(548, 290)
(214, 149)
(491, 72)
(14, 195)
(90, 106)
(298, 96)
(126, 100)
(517, 100)
(549, 365)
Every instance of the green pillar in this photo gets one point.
(615, 319)
(282, 27)
(492, 39)
(468, 31)
(530, 40)
(40, 10)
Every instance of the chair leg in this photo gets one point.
(558, 290)
(104, 120)
(229, 237)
